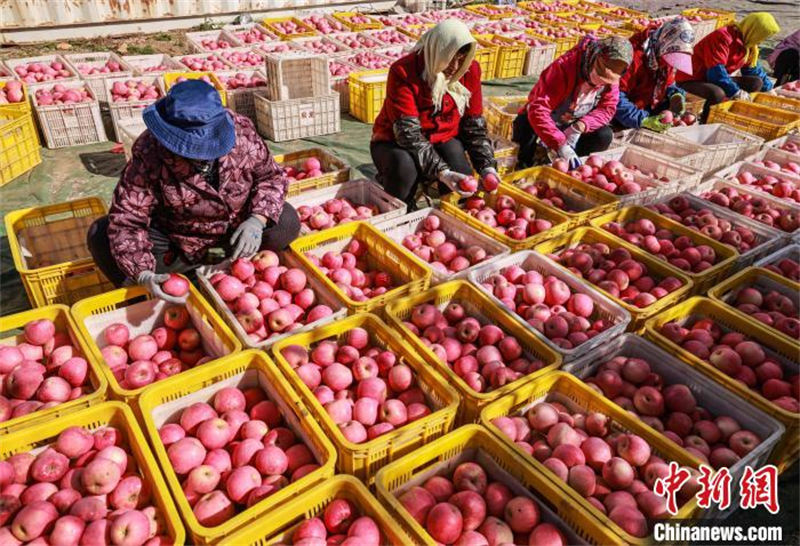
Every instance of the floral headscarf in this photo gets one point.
(612, 48)
(674, 36)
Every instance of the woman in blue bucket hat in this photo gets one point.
(199, 178)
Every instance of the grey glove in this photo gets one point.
(741, 94)
(451, 179)
(568, 152)
(152, 281)
(246, 240)
(572, 135)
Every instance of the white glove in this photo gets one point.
(451, 179)
(568, 152)
(572, 135)
(246, 240)
(153, 283)
(741, 94)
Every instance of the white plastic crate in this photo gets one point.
(673, 149)
(129, 109)
(778, 142)
(241, 100)
(709, 394)
(397, 228)
(297, 76)
(781, 157)
(361, 191)
(291, 119)
(787, 93)
(153, 65)
(538, 58)
(12, 65)
(324, 297)
(340, 83)
(721, 143)
(195, 40)
(128, 130)
(734, 170)
(790, 251)
(280, 48)
(69, 124)
(604, 307)
(95, 60)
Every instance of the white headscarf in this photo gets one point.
(438, 46)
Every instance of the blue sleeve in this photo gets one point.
(672, 89)
(761, 73)
(718, 75)
(628, 115)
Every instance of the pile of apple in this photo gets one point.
(233, 452)
(620, 12)
(402, 19)
(549, 195)
(276, 47)
(240, 80)
(322, 46)
(243, 59)
(209, 63)
(770, 307)
(339, 69)
(494, 27)
(368, 59)
(358, 41)
(338, 524)
(324, 25)
(483, 355)
(754, 207)
(84, 488)
(357, 19)
(506, 216)
(674, 120)
(290, 27)
(335, 211)
(786, 267)
(615, 271)
(311, 167)
(774, 185)
(614, 471)
(468, 508)
(790, 167)
(546, 7)
(437, 16)
(267, 298)
(86, 69)
(444, 254)
(134, 90)
(253, 36)
(680, 251)
(351, 272)
(392, 37)
(213, 44)
(704, 220)
(61, 94)
(11, 92)
(547, 303)
(560, 32)
(41, 372)
(529, 23)
(43, 72)
(367, 391)
(733, 354)
(673, 410)
(611, 176)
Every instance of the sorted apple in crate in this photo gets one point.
(786, 267)
(41, 72)
(445, 254)
(352, 273)
(333, 212)
(323, 24)
(391, 36)
(11, 93)
(90, 69)
(507, 217)
(252, 36)
(209, 63)
(243, 59)
(369, 60)
(213, 44)
(771, 307)
(611, 175)
(62, 94)
(774, 185)
(322, 46)
(788, 167)
(762, 210)
(134, 90)
(240, 80)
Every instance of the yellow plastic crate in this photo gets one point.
(658, 269)
(344, 17)
(305, 33)
(450, 204)
(365, 459)
(20, 107)
(500, 113)
(477, 305)
(726, 255)
(562, 44)
(283, 520)
(777, 101)
(510, 55)
(777, 347)
(755, 276)
(724, 18)
(475, 443)
(113, 414)
(505, 154)
(383, 254)
(48, 245)
(582, 21)
(171, 77)
(10, 325)
(585, 200)
(19, 144)
(367, 92)
(764, 121)
(605, 30)
(486, 57)
(334, 170)
(573, 393)
(490, 11)
(135, 307)
(162, 402)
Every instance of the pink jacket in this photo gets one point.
(556, 88)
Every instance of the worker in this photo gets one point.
(785, 59)
(648, 86)
(726, 50)
(199, 178)
(432, 115)
(571, 106)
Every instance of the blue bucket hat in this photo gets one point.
(191, 122)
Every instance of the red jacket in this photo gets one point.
(638, 81)
(556, 86)
(409, 95)
(724, 46)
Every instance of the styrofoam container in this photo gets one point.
(604, 307)
(360, 192)
(397, 228)
(708, 393)
(324, 296)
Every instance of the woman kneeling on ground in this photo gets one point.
(570, 107)
(432, 115)
(199, 178)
